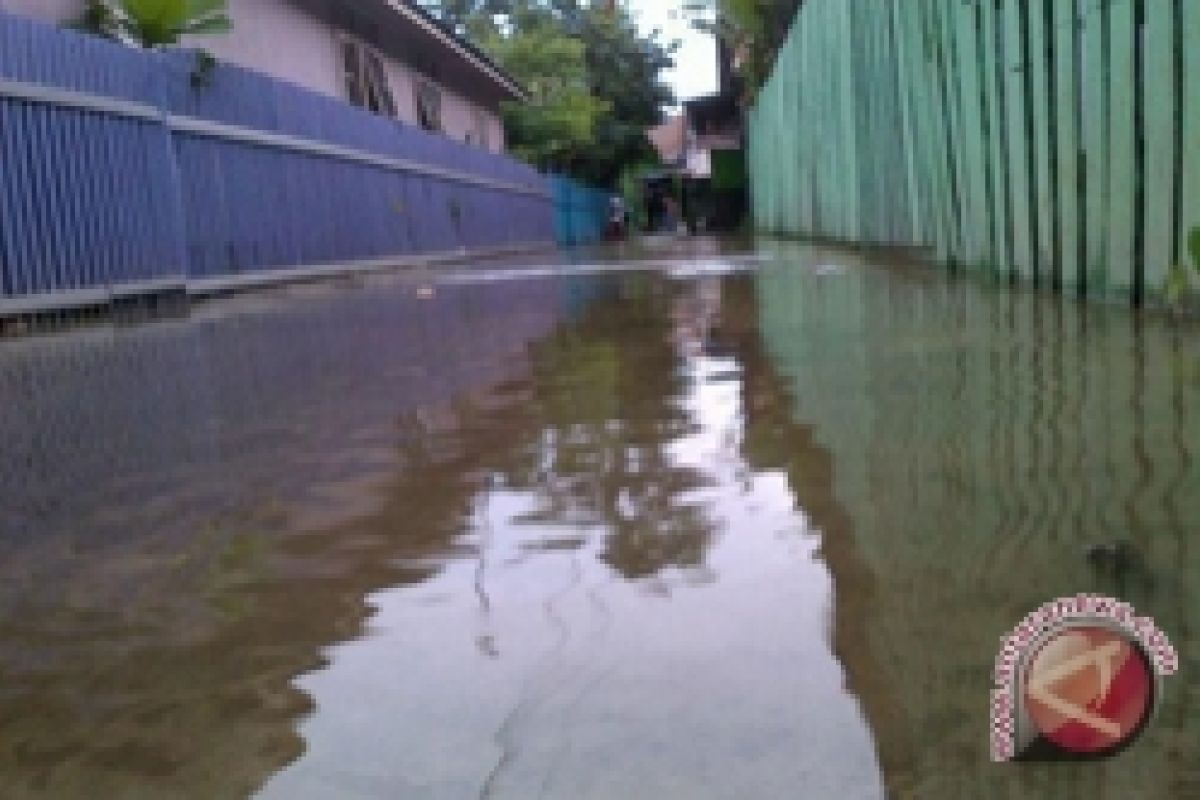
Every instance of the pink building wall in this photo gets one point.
(278, 39)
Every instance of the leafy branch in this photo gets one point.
(154, 23)
(1178, 284)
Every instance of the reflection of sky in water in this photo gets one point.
(537, 671)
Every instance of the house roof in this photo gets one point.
(404, 30)
(463, 46)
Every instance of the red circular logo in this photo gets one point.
(1089, 689)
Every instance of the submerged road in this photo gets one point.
(693, 523)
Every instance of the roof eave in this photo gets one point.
(469, 52)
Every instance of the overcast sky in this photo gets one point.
(695, 70)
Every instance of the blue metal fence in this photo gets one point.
(118, 176)
(580, 213)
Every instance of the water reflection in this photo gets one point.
(152, 614)
(636, 611)
(994, 449)
(492, 540)
(645, 534)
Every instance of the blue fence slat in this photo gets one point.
(68, 144)
(8, 258)
(91, 199)
(11, 204)
(580, 212)
(46, 278)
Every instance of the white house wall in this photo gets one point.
(281, 40)
(458, 113)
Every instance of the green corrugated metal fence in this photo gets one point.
(1053, 141)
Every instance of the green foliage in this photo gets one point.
(559, 119)
(97, 18)
(624, 70)
(594, 80)
(154, 23)
(1178, 283)
(202, 73)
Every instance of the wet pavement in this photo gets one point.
(709, 525)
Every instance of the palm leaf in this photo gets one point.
(141, 9)
(161, 22)
(197, 9)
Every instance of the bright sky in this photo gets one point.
(695, 70)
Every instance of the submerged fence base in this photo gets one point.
(104, 297)
(1054, 141)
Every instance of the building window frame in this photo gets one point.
(364, 76)
(428, 98)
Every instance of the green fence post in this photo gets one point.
(1016, 67)
(1158, 81)
(1043, 111)
(975, 181)
(1121, 154)
(1095, 141)
(997, 136)
(1066, 107)
(1190, 113)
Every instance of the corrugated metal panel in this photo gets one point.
(976, 251)
(1067, 84)
(1040, 73)
(1093, 69)
(1016, 73)
(1159, 103)
(1190, 122)
(997, 139)
(1041, 137)
(580, 213)
(1122, 156)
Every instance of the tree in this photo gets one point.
(155, 23)
(625, 69)
(559, 119)
(594, 80)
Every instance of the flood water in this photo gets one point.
(739, 526)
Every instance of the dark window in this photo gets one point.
(429, 106)
(366, 79)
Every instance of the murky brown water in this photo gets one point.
(696, 532)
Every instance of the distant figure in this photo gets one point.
(614, 230)
(671, 217)
(655, 211)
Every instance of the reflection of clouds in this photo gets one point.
(618, 616)
(481, 500)
(615, 395)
